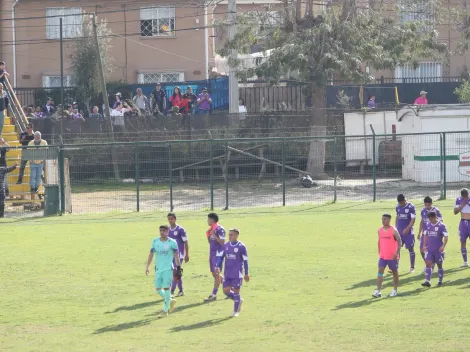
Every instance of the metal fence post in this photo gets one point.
(211, 157)
(62, 179)
(445, 164)
(374, 169)
(283, 173)
(226, 175)
(137, 176)
(442, 165)
(335, 171)
(170, 170)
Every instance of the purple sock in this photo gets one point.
(230, 295)
(412, 259)
(440, 274)
(236, 299)
(428, 274)
(173, 286)
(180, 285)
(464, 254)
(214, 291)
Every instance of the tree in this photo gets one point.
(85, 74)
(349, 36)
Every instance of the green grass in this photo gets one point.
(77, 283)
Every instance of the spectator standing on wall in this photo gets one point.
(3, 72)
(36, 166)
(3, 175)
(158, 100)
(95, 114)
(140, 101)
(117, 116)
(4, 148)
(371, 102)
(25, 137)
(118, 100)
(192, 99)
(204, 102)
(176, 97)
(3, 106)
(422, 100)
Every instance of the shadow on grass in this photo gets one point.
(124, 326)
(404, 279)
(135, 306)
(200, 325)
(369, 301)
(181, 308)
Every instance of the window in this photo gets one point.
(54, 81)
(426, 72)
(157, 21)
(163, 77)
(72, 22)
(421, 10)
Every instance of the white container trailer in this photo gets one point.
(422, 154)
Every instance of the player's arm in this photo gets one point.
(149, 261)
(245, 265)
(446, 238)
(378, 242)
(186, 249)
(220, 239)
(425, 240)
(398, 239)
(420, 228)
(413, 219)
(458, 207)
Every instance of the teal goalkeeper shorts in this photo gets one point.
(164, 279)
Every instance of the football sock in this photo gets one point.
(214, 291)
(428, 274)
(464, 254)
(173, 285)
(440, 274)
(230, 295)
(412, 258)
(180, 285)
(167, 298)
(236, 299)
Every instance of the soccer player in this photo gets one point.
(389, 252)
(435, 241)
(428, 207)
(164, 249)
(216, 241)
(236, 259)
(406, 217)
(178, 233)
(462, 206)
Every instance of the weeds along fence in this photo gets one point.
(183, 175)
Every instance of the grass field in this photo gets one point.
(77, 283)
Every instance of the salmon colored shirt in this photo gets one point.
(421, 101)
(388, 245)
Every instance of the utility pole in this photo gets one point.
(105, 98)
(61, 78)
(232, 78)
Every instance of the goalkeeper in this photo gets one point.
(164, 249)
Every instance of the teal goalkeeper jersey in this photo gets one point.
(164, 252)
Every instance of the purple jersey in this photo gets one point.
(180, 236)
(435, 234)
(425, 212)
(214, 246)
(404, 216)
(235, 255)
(459, 201)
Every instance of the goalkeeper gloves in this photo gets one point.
(178, 273)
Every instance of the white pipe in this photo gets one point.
(14, 41)
(206, 42)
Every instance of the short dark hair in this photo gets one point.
(387, 216)
(30, 124)
(163, 227)
(235, 230)
(432, 214)
(2, 63)
(400, 197)
(171, 214)
(427, 199)
(464, 192)
(118, 103)
(213, 216)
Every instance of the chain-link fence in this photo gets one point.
(251, 172)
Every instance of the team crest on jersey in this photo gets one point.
(436, 228)
(407, 210)
(235, 250)
(167, 246)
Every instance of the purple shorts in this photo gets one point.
(435, 257)
(235, 283)
(408, 240)
(464, 230)
(213, 259)
(392, 263)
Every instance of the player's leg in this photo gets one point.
(393, 265)
(180, 282)
(410, 245)
(429, 261)
(440, 269)
(227, 285)
(463, 232)
(380, 278)
(170, 303)
(217, 279)
(237, 299)
(174, 281)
